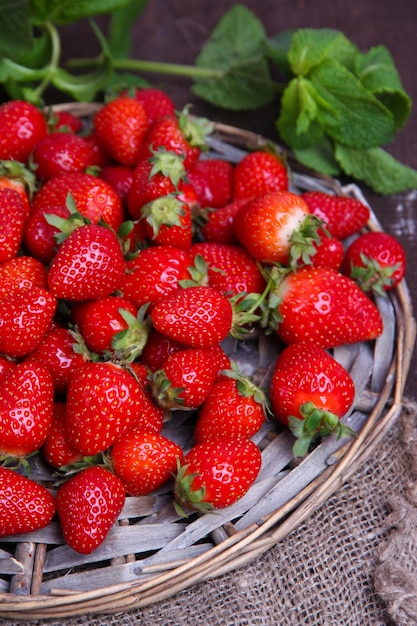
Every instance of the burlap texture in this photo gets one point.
(335, 569)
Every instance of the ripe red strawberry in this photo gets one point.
(25, 505)
(21, 273)
(276, 227)
(101, 319)
(88, 505)
(154, 273)
(144, 461)
(231, 269)
(325, 307)
(22, 126)
(104, 400)
(212, 180)
(309, 392)
(100, 156)
(376, 261)
(57, 450)
(156, 102)
(121, 126)
(15, 175)
(342, 215)
(94, 198)
(186, 378)
(258, 173)
(215, 474)
(235, 407)
(6, 365)
(179, 134)
(88, 264)
(12, 221)
(161, 174)
(26, 407)
(25, 318)
(329, 252)
(168, 219)
(65, 120)
(60, 152)
(39, 236)
(157, 348)
(218, 224)
(196, 316)
(57, 352)
(120, 177)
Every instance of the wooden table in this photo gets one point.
(175, 30)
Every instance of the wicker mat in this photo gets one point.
(354, 562)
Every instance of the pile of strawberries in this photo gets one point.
(127, 257)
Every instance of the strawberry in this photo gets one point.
(325, 307)
(154, 273)
(26, 407)
(177, 133)
(15, 175)
(196, 316)
(66, 121)
(99, 155)
(121, 126)
(376, 261)
(25, 317)
(329, 252)
(12, 221)
(120, 177)
(25, 505)
(161, 174)
(88, 505)
(218, 226)
(231, 269)
(276, 228)
(212, 180)
(168, 219)
(157, 348)
(186, 378)
(22, 126)
(94, 198)
(156, 102)
(104, 400)
(56, 450)
(40, 235)
(310, 391)
(6, 365)
(259, 172)
(342, 216)
(235, 407)
(144, 461)
(215, 474)
(57, 351)
(88, 264)
(60, 152)
(21, 273)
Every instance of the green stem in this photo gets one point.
(54, 60)
(176, 69)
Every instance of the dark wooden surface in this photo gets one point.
(175, 30)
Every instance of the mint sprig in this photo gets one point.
(336, 109)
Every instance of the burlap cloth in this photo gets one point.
(353, 562)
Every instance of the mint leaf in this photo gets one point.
(310, 47)
(354, 116)
(237, 49)
(64, 12)
(15, 28)
(298, 121)
(320, 158)
(278, 47)
(121, 22)
(378, 169)
(377, 72)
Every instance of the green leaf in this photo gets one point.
(65, 12)
(377, 72)
(298, 124)
(278, 47)
(320, 158)
(354, 116)
(16, 35)
(121, 22)
(311, 46)
(377, 168)
(238, 49)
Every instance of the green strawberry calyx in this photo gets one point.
(186, 496)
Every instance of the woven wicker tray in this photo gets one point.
(151, 554)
